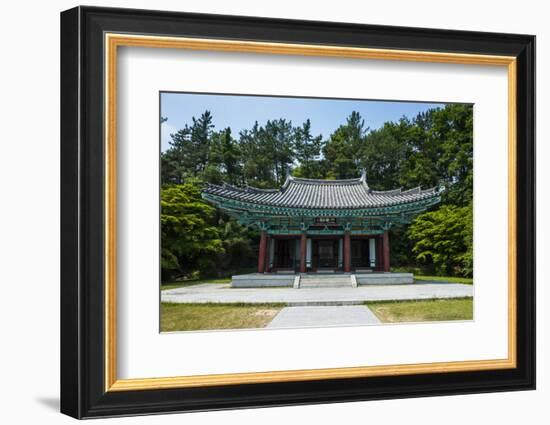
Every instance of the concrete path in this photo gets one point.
(222, 293)
(303, 317)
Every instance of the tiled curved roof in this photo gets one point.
(333, 194)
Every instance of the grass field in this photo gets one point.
(466, 280)
(192, 317)
(422, 310)
(183, 283)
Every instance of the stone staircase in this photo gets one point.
(331, 280)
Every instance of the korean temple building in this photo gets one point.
(322, 225)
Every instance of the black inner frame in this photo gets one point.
(82, 207)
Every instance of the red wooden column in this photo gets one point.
(379, 253)
(347, 252)
(386, 251)
(263, 250)
(303, 250)
(267, 253)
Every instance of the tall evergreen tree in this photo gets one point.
(383, 153)
(278, 137)
(257, 158)
(230, 157)
(440, 152)
(307, 149)
(189, 149)
(200, 138)
(343, 150)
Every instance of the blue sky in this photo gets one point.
(240, 112)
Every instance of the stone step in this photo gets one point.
(326, 282)
(325, 276)
(325, 285)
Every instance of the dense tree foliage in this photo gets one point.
(344, 150)
(307, 149)
(442, 240)
(433, 149)
(190, 240)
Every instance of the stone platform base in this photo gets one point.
(314, 280)
(384, 278)
(260, 280)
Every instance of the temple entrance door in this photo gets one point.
(360, 253)
(326, 254)
(284, 253)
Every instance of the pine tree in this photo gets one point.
(307, 149)
(343, 150)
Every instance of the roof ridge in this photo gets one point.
(246, 189)
(390, 192)
(333, 196)
(253, 189)
(434, 189)
(326, 181)
(414, 190)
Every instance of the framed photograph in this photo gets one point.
(261, 212)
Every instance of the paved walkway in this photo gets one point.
(222, 293)
(303, 317)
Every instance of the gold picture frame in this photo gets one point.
(114, 41)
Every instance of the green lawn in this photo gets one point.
(466, 280)
(419, 275)
(422, 310)
(182, 283)
(193, 317)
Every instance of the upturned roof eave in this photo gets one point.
(399, 207)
